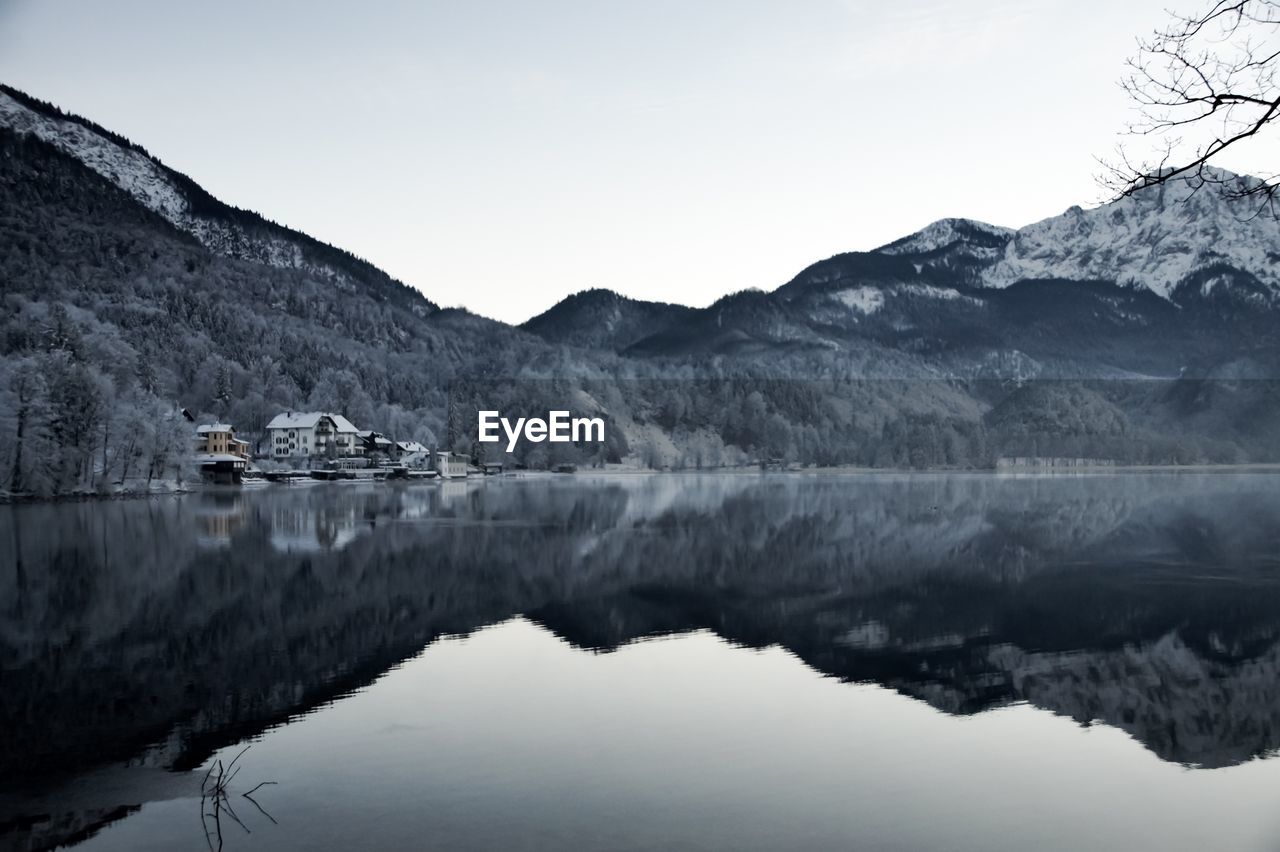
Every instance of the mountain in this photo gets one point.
(224, 230)
(1179, 240)
(953, 239)
(1166, 282)
(131, 293)
(602, 319)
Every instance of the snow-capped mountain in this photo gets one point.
(1156, 239)
(977, 239)
(1168, 280)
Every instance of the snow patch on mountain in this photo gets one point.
(944, 232)
(130, 170)
(928, 291)
(866, 300)
(1153, 239)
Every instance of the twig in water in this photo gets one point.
(215, 788)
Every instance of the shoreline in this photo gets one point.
(1100, 470)
(89, 496)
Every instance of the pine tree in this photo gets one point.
(61, 334)
(222, 389)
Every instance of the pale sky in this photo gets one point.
(502, 155)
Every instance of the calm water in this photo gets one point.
(668, 662)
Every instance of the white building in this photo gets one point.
(408, 448)
(450, 465)
(312, 433)
(446, 465)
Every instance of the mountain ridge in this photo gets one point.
(1009, 255)
(601, 318)
(221, 227)
(1162, 215)
(124, 297)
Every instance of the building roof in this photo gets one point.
(206, 428)
(308, 419)
(411, 447)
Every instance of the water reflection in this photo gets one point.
(138, 637)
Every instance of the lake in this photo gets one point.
(713, 662)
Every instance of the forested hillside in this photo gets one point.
(129, 294)
(114, 320)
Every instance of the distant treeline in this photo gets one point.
(889, 423)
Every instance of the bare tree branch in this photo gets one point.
(1203, 84)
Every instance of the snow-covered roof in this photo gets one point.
(308, 419)
(411, 447)
(206, 428)
(295, 420)
(343, 424)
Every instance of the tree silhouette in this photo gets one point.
(1201, 85)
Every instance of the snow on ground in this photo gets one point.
(867, 300)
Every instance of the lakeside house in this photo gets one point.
(415, 461)
(220, 438)
(403, 449)
(376, 444)
(320, 442)
(221, 456)
(306, 434)
(446, 465)
(449, 465)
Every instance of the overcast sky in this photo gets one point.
(501, 155)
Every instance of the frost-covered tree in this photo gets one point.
(26, 402)
(61, 334)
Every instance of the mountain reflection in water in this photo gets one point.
(143, 636)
